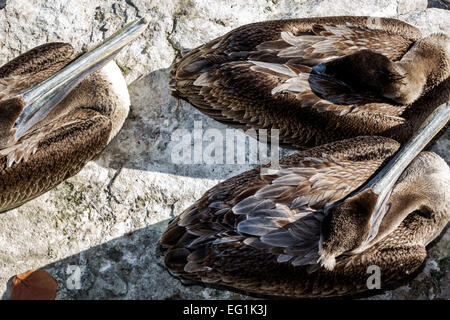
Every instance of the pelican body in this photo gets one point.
(318, 79)
(354, 90)
(57, 112)
(260, 231)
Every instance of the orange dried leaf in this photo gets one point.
(33, 285)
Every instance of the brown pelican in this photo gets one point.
(57, 113)
(319, 79)
(301, 230)
(314, 226)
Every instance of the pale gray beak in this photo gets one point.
(383, 183)
(43, 97)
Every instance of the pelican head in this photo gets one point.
(347, 226)
(424, 66)
(57, 112)
(373, 212)
(23, 106)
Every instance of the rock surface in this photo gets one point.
(97, 233)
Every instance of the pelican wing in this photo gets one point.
(38, 63)
(327, 41)
(285, 214)
(59, 149)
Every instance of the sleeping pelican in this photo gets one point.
(318, 80)
(57, 113)
(313, 227)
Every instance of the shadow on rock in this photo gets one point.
(152, 138)
(440, 4)
(132, 267)
(129, 267)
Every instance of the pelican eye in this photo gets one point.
(424, 212)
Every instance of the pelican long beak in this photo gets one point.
(40, 99)
(383, 183)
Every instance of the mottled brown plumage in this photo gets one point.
(260, 230)
(318, 79)
(75, 131)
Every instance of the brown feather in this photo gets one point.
(264, 71)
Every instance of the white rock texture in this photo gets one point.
(104, 223)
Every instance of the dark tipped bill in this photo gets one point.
(383, 183)
(40, 99)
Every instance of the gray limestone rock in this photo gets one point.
(97, 232)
